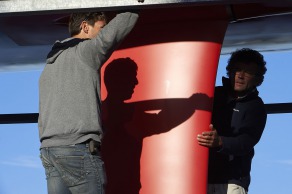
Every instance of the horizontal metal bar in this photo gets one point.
(19, 118)
(275, 108)
(278, 108)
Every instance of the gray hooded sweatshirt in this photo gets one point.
(69, 86)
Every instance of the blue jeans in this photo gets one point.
(73, 170)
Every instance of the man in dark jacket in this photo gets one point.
(238, 121)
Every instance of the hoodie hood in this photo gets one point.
(60, 46)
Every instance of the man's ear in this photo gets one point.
(84, 27)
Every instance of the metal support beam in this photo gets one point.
(275, 108)
(32, 6)
(19, 118)
(278, 108)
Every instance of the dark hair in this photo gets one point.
(247, 55)
(77, 18)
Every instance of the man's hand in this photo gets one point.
(209, 139)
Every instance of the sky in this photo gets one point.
(21, 171)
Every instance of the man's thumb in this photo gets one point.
(212, 127)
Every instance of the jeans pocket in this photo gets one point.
(71, 168)
(101, 170)
(96, 170)
(45, 161)
(49, 168)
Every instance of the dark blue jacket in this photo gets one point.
(240, 123)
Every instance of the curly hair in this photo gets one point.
(247, 55)
(77, 18)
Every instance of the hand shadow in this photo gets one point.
(126, 124)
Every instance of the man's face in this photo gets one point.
(243, 77)
(126, 85)
(94, 30)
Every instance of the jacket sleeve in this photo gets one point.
(249, 132)
(100, 48)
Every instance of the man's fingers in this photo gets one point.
(203, 141)
(202, 138)
(206, 133)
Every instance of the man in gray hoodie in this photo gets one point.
(70, 127)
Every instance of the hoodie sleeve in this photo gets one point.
(97, 50)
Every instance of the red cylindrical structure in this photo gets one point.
(182, 64)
